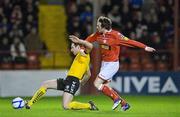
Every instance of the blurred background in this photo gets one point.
(34, 41)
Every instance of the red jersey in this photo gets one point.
(110, 44)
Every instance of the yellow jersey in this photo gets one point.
(79, 66)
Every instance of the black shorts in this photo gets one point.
(69, 85)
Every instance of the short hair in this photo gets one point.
(105, 22)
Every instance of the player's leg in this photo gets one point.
(106, 73)
(69, 104)
(108, 91)
(72, 85)
(49, 84)
(67, 98)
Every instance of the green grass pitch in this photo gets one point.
(141, 106)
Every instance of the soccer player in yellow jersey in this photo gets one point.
(78, 73)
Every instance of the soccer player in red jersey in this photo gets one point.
(110, 42)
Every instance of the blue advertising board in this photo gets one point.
(153, 83)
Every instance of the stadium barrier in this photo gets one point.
(147, 83)
(26, 82)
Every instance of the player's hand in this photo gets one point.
(74, 39)
(150, 49)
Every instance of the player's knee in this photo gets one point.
(97, 85)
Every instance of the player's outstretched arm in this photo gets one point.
(133, 43)
(141, 45)
(87, 44)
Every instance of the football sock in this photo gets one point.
(79, 105)
(39, 93)
(110, 92)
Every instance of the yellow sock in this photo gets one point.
(39, 93)
(79, 105)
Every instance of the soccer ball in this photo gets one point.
(18, 103)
